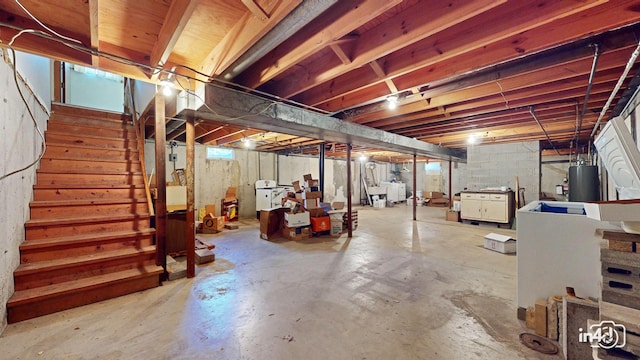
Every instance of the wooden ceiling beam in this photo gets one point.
(345, 17)
(93, 31)
(238, 135)
(480, 42)
(398, 32)
(39, 45)
(244, 34)
(256, 10)
(180, 11)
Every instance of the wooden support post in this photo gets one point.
(190, 177)
(415, 184)
(349, 211)
(161, 181)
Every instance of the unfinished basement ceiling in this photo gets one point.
(503, 71)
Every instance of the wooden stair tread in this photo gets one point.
(78, 110)
(90, 172)
(91, 160)
(84, 136)
(22, 297)
(84, 238)
(84, 220)
(48, 265)
(86, 186)
(56, 203)
(82, 146)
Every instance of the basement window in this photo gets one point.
(219, 153)
(432, 167)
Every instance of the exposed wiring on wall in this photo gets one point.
(43, 146)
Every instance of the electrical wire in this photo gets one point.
(45, 26)
(33, 118)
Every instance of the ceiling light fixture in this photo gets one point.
(392, 102)
(363, 158)
(473, 139)
(167, 87)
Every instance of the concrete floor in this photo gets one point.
(397, 290)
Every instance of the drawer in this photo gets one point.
(498, 197)
(469, 196)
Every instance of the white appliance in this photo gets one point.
(269, 194)
(396, 191)
(557, 246)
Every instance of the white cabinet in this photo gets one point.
(396, 191)
(487, 206)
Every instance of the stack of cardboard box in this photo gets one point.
(301, 216)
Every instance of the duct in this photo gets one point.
(630, 63)
(292, 23)
(248, 110)
(533, 113)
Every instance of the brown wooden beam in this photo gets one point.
(161, 181)
(190, 178)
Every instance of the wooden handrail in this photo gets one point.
(140, 137)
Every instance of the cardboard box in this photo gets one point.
(210, 209)
(319, 224)
(500, 243)
(312, 203)
(336, 228)
(297, 220)
(453, 215)
(337, 205)
(314, 183)
(296, 233)
(318, 212)
(212, 224)
(433, 195)
(313, 194)
(296, 186)
(230, 195)
(307, 177)
(271, 221)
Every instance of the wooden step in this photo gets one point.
(53, 228)
(62, 151)
(68, 127)
(75, 111)
(60, 193)
(90, 207)
(97, 180)
(81, 166)
(32, 303)
(84, 244)
(43, 273)
(89, 140)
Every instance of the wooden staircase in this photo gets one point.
(89, 237)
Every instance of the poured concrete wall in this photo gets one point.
(19, 146)
(499, 164)
(213, 177)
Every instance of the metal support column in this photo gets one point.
(321, 170)
(161, 180)
(415, 184)
(450, 186)
(349, 191)
(190, 236)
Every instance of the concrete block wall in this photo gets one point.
(498, 165)
(19, 146)
(458, 176)
(553, 171)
